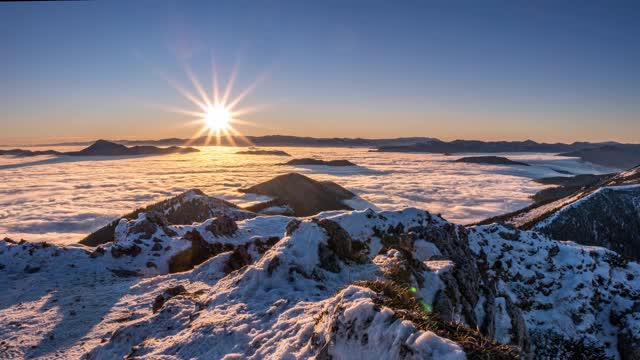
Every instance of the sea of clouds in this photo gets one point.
(63, 199)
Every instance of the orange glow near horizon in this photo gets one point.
(217, 111)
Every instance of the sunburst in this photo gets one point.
(217, 112)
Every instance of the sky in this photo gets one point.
(493, 70)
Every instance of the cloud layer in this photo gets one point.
(64, 200)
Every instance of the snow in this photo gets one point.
(424, 250)
(570, 289)
(578, 200)
(277, 210)
(286, 302)
(285, 308)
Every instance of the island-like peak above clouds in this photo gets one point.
(108, 148)
(490, 160)
(298, 195)
(320, 162)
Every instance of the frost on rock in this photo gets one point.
(190, 207)
(571, 296)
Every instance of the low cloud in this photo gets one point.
(62, 202)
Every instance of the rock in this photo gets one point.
(199, 251)
(238, 259)
(31, 269)
(124, 273)
(184, 209)
(292, 226)
(133, 251)
(223, 225)
(338, 240)
(166, 295)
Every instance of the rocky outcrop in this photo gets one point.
(185, 209)
(589, 292)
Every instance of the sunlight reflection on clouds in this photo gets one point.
(63, 201)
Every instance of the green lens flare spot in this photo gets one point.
(413, 290)
(426, 307)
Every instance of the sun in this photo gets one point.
(216, 111)
(217, 118)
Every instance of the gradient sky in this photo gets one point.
(508, 70)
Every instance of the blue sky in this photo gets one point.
(545, 70)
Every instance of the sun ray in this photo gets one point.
(196, 83)
(246, 92)
(228, 136)
(241, 137)
(230, 83)
(214, 75)
(196, 136)
(177, 110)
(184, 92)
(248, 110)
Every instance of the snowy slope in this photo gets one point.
(566, 291)
(343, 284)
(606, 214)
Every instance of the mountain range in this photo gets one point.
(104, 148)
(610, 154)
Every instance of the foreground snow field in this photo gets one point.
(341, 284)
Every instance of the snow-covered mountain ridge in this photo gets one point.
(606, 214)
(341, 284)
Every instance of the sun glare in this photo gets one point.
(217, 112)
(217, 118)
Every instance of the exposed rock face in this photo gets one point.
(310, 161)
(303, 195)
(576, 301)
(223, 225)
(166, 295)
(199, 251)
(490, 160)
(184, 209)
